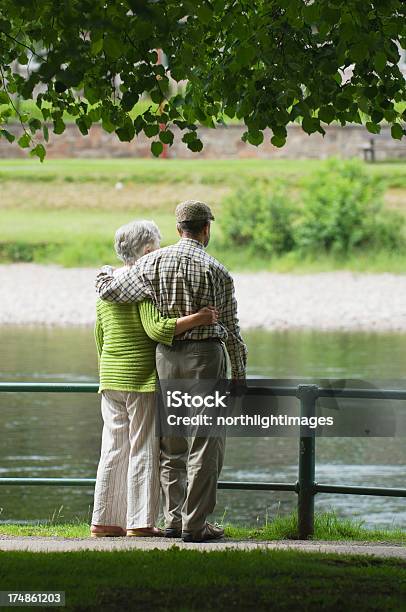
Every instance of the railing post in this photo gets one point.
(307, 395)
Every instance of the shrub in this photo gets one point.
(258, 219)
(21, 252)
(343, 211)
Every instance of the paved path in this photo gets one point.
(58, 544)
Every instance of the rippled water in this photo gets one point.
(59, 435)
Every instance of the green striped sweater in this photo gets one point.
(126, 337)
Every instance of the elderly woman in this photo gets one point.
(127, 485)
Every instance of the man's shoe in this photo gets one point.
(208, 533)
(172, 532)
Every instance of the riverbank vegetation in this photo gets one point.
(232, 579)
(338, 211)
(328, 527)
(66, 211)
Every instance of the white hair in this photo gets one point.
(132, 239)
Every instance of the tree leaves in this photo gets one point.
(59, 125)
(113, 46)
(327, 114)
(204, 13)
(195, 145)
(397, 131)
(5, 134)
(374, 128)
(151, 130)
(96, 46)
(310, 124)
(60, 86)
(82, 125)
(157, 95)
(24, 141)
(380, 61)
(126, 131)
(269, 65)
(39, 151)
(166, 136)
(278, 141)
(129, 100)
(359, 51)
(35, 124)
(91, 93)
(255, 137)
(157, 148)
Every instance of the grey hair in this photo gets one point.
(132, 239)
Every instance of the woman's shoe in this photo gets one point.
(106, 531)
(145, 532)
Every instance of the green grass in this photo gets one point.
(375, 262)
(327, 527)
(221, 580)
(66, 211)
(62, 530)
(172, 171)
(206, 171)
(46, 243)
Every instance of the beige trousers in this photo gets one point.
(127, 484)
(190, 467)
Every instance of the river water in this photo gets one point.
(52, 435)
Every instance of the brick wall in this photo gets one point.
(222, 143)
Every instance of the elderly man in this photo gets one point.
(180, 279)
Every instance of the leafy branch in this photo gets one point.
(263, 62)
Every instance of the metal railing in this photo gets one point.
(306, 487)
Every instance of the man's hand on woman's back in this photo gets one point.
(208, 315)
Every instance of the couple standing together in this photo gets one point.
(171, 312)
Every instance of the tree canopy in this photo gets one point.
(268, 63)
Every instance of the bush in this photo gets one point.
(343, 211)
(22, 252)
(258, 219)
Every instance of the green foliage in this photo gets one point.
(258, 219)
(73, 225)
(23, 252)
(268, 65)
(157, 148)
(340, 213)
(343, 211)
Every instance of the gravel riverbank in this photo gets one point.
(50, 295)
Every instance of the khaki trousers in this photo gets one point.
(190, 467)
(127, 483)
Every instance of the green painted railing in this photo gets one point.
(306, 487)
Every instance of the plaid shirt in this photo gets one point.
(181, 279)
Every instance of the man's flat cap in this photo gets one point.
(193, 210)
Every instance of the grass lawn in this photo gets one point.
(193, 580)
(66, 211)
(153, 171)
(328, 527)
